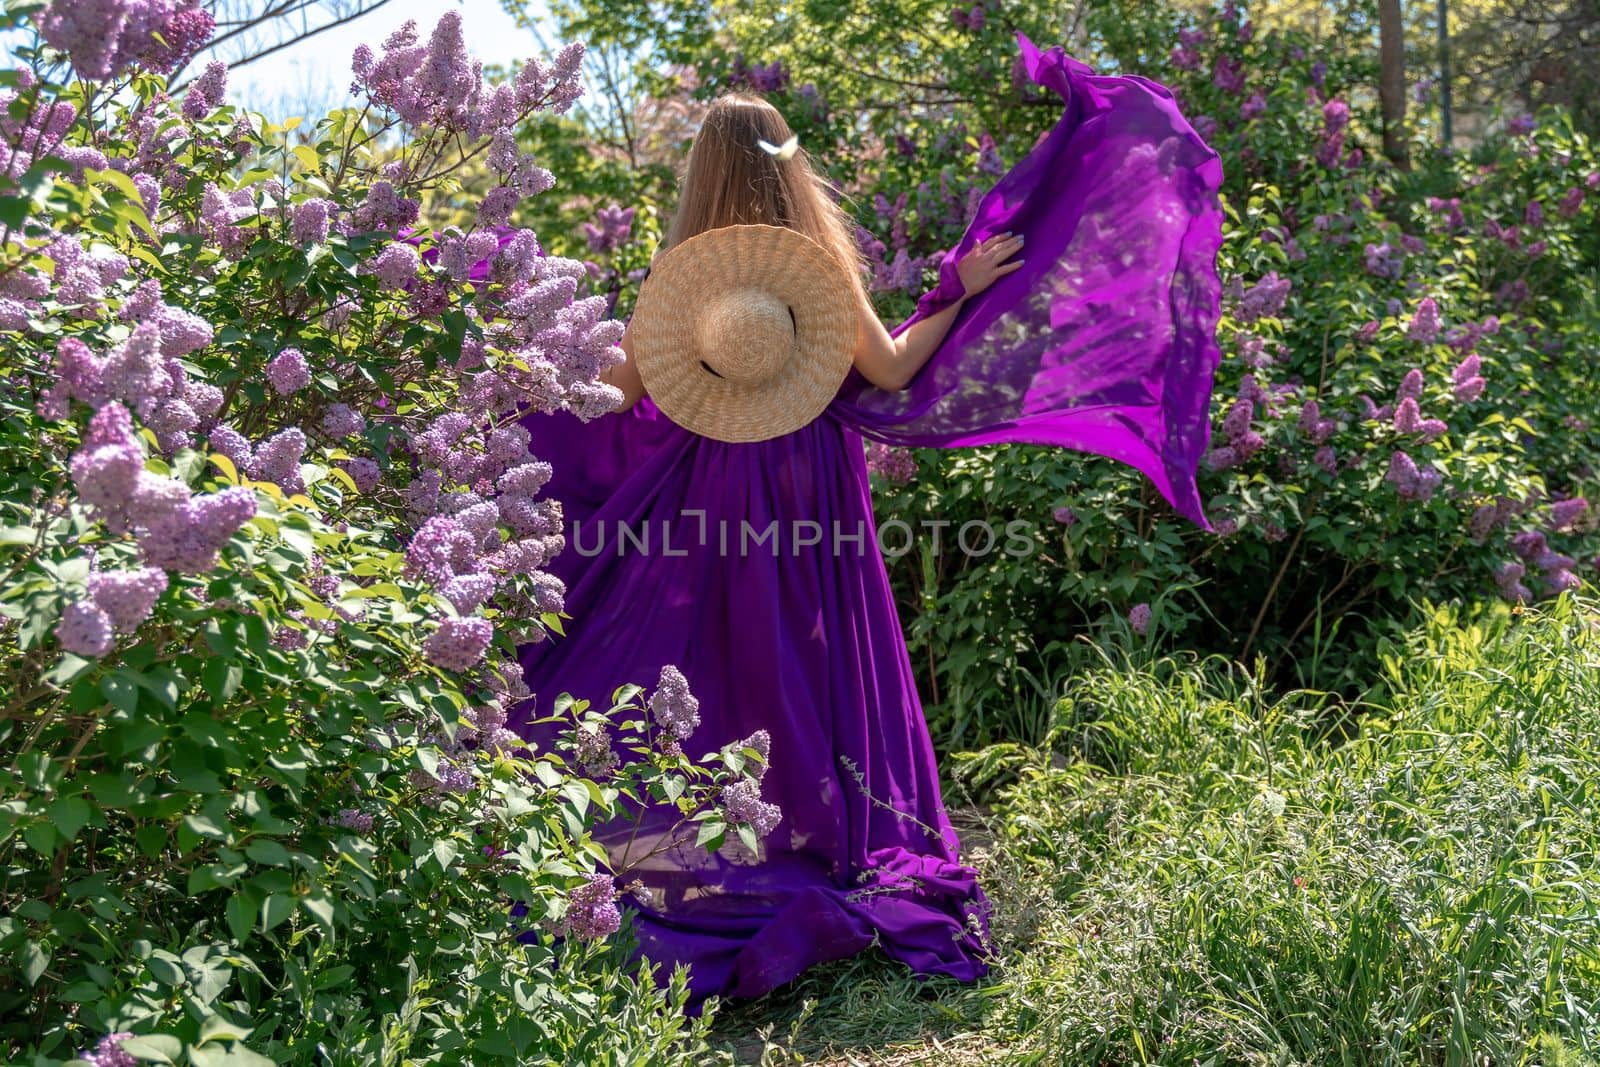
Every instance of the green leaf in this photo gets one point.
(68, 668)
(69, 814)
(152, 839)
(13, 211)
(33, 958)
(335, 976)
(320, 908)
(275, 909)
(267, 851)
(234, 1055)
(165, 968)
(122, 691)
(41, 837)
(219, 1028)
(204, 826)
(162, 685)
(710, 830)
(156, 1048)
(241, 914)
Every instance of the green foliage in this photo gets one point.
(1187, 870)
(1238, 888)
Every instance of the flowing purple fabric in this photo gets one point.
(1104, 341)
(755, 567)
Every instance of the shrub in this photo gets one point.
(269, 536)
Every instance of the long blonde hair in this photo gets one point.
(730, 179)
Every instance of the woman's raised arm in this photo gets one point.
(891, 362)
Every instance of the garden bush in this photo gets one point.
(270, 533)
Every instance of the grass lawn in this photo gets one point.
(1189, 873)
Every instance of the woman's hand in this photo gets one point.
(986, 262)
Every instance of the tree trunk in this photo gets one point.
(1392, 80)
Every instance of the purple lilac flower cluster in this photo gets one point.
(593, 752)
(1185, 56)
(38, 133)
(108, 1052)
(971, 19)
(288, 372)
(1316, 428)
(741, 800)
(1335, 118)
(1533, 550)
(892, 463)
(142, 372)
(1508, 578)
(1384, 260)
(127, 596)
(1563, 513)
(1467, 383)
(355, 819)
(1243, 442)
(1265, 299)
(459, 642)
(894, 268)
(1448, 210)
(483, 733)
(610, 230)
(592, 911)
(206, 93)
(742, 805)
(1407, 417)
(459, 548)
(674, 709)
(1410, 481)
(484, 729)
(1228, 75)
(175, 529)
(105, 37)
(761, 743)
(771, 78)
(1487, 518)
(439, 85)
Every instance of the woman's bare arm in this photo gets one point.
(625, 375)
(887, 362)
(891, 362)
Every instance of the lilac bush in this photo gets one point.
(270, 533)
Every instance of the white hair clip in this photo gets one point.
(783, 151)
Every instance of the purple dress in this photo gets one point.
(770, 592)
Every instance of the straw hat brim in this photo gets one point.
(782, 262)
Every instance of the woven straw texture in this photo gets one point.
(714, 340)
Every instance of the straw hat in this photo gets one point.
(744, 333)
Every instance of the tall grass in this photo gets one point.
(1188, 873)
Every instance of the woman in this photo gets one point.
(799, 638)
